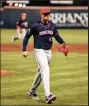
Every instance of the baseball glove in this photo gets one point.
(64, 49)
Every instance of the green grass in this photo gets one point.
(69, 82)
(70, 36)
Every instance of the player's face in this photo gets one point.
(23, 17)
(45, 17)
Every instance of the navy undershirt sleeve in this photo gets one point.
(26, 38)
(57, 37)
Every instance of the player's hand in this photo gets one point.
(25, 54)
(64, 49)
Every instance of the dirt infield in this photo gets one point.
(5, 73)
(83, 48)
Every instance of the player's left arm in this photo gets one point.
(63, 47)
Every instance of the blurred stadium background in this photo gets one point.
(69, 82)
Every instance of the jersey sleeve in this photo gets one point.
(29, 33)
(55, 31)
(57, 36)
(27, 36)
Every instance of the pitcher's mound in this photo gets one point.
(5, 73)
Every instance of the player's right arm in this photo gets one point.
(25, 42)
(31, 31)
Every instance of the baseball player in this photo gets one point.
(43, 31)
(21, 26)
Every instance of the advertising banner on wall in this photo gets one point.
(63, 18)
(70, 18)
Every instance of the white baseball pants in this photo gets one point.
(43, 58)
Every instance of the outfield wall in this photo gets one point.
(63, 17)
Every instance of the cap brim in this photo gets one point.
(47, 13)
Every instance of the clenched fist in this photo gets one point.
(25, 54)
